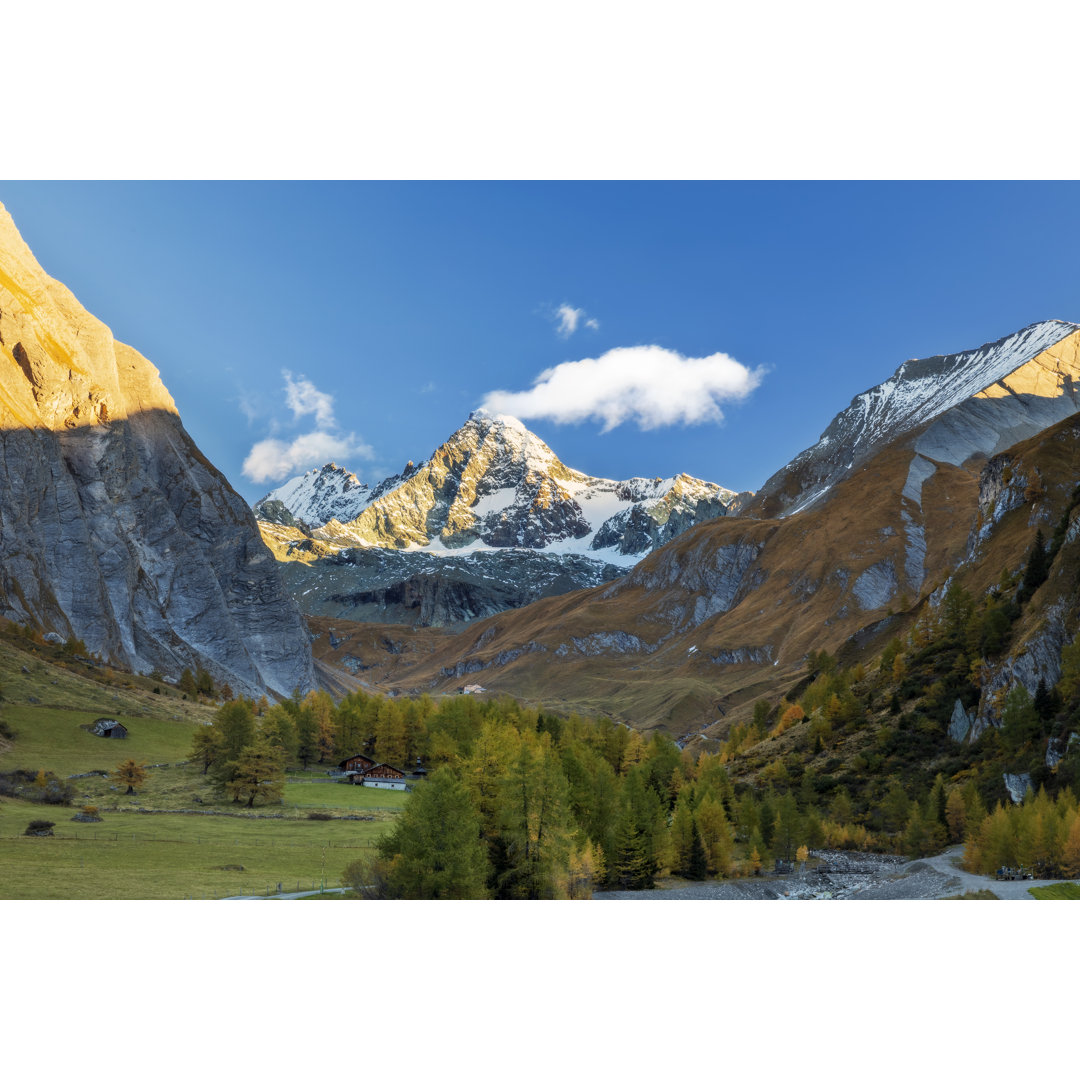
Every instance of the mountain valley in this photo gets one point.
(869, 652)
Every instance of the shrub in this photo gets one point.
(368, 878)
(39, 827)
(42, 787)
(318, 815)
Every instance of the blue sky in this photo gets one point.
(393, 309)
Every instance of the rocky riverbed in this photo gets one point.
(847, 875)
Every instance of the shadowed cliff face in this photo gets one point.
(125, 536)
(114, 528)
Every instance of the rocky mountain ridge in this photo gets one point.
(492, 489)
(114, 528)
(993, 397)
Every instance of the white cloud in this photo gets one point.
(646, 384)
(304, 398)
(567, 318)
(275, 459)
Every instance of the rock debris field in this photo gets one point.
(848, 875)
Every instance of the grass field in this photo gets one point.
(145, 847)
(1063, 890)
(318, 796)
(50, 738)
(172, 856)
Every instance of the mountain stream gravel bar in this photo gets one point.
(848, 875)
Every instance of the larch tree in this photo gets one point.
(390, 735)
(955, 815)
(206, 746)
(534, 823)
(131, 773)
(258, 773)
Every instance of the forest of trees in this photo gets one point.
(523, 803)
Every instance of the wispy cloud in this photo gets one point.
(646, 384)
(567, 319)
(248, 405)
(275, 459)
(305, 399)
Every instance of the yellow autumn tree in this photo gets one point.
(955, 815)
(755, 861)
(1070, 853)
(584, 869)
(131, 773)
(792, 715)
(634, 753)
(715, 834)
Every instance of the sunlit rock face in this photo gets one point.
(114, 528)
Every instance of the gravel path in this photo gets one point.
(285, 895)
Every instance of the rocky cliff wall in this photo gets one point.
(114, 528)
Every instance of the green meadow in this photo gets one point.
(51, 738)
(311, 795)
(179, 836)
(133, 856)
(1062, 890)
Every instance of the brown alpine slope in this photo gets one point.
(728, 611)
(114, 528)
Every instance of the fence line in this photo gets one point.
(232, 842)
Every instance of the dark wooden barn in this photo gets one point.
(108, 729)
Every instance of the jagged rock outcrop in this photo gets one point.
(114, 528)
(1036, 658)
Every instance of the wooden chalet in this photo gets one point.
(381, 776)
(357, 764)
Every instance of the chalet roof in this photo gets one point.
(105, 724)
(353, 757)
(383, 765)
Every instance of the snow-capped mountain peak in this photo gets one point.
(494, 485)
(315, 498)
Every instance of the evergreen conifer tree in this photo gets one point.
(697, 867)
